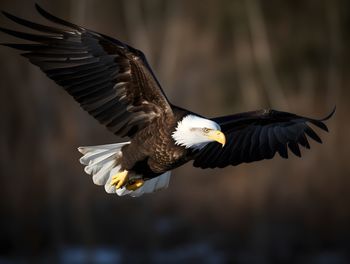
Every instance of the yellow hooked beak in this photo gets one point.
(217, 136)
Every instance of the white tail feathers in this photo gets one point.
(102, 163)
(100, 160)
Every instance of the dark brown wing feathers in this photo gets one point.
(110, 80)
(114, 83)
(258, 135)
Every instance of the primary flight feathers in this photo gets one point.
(110, 80)
(258, 135)
(114, 83)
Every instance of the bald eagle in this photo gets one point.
(113, 82)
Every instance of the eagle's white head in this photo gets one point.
(196, 132)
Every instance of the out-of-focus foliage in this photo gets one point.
(215, 58)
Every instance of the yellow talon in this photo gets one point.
(120, 179)
(134, 186)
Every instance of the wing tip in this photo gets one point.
(7, 31)
(320, 122)
(330, 114)
(39, 8)
(56, 19)
(11, 16)
(5, 13)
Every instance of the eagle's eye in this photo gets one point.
(206, 130)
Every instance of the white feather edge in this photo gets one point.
(101, 163)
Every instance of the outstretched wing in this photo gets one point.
(258, 135)
(110, 80)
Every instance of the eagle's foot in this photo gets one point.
(134, 185)
(120, 179)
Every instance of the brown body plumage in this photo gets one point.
(153, 151)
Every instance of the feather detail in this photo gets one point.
(102, 163)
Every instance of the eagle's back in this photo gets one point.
(153, 150)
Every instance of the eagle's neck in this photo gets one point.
(188, 132)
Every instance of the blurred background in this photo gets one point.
(216, 58)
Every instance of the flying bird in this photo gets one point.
(114, 83)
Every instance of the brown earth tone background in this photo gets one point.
(215, 58)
